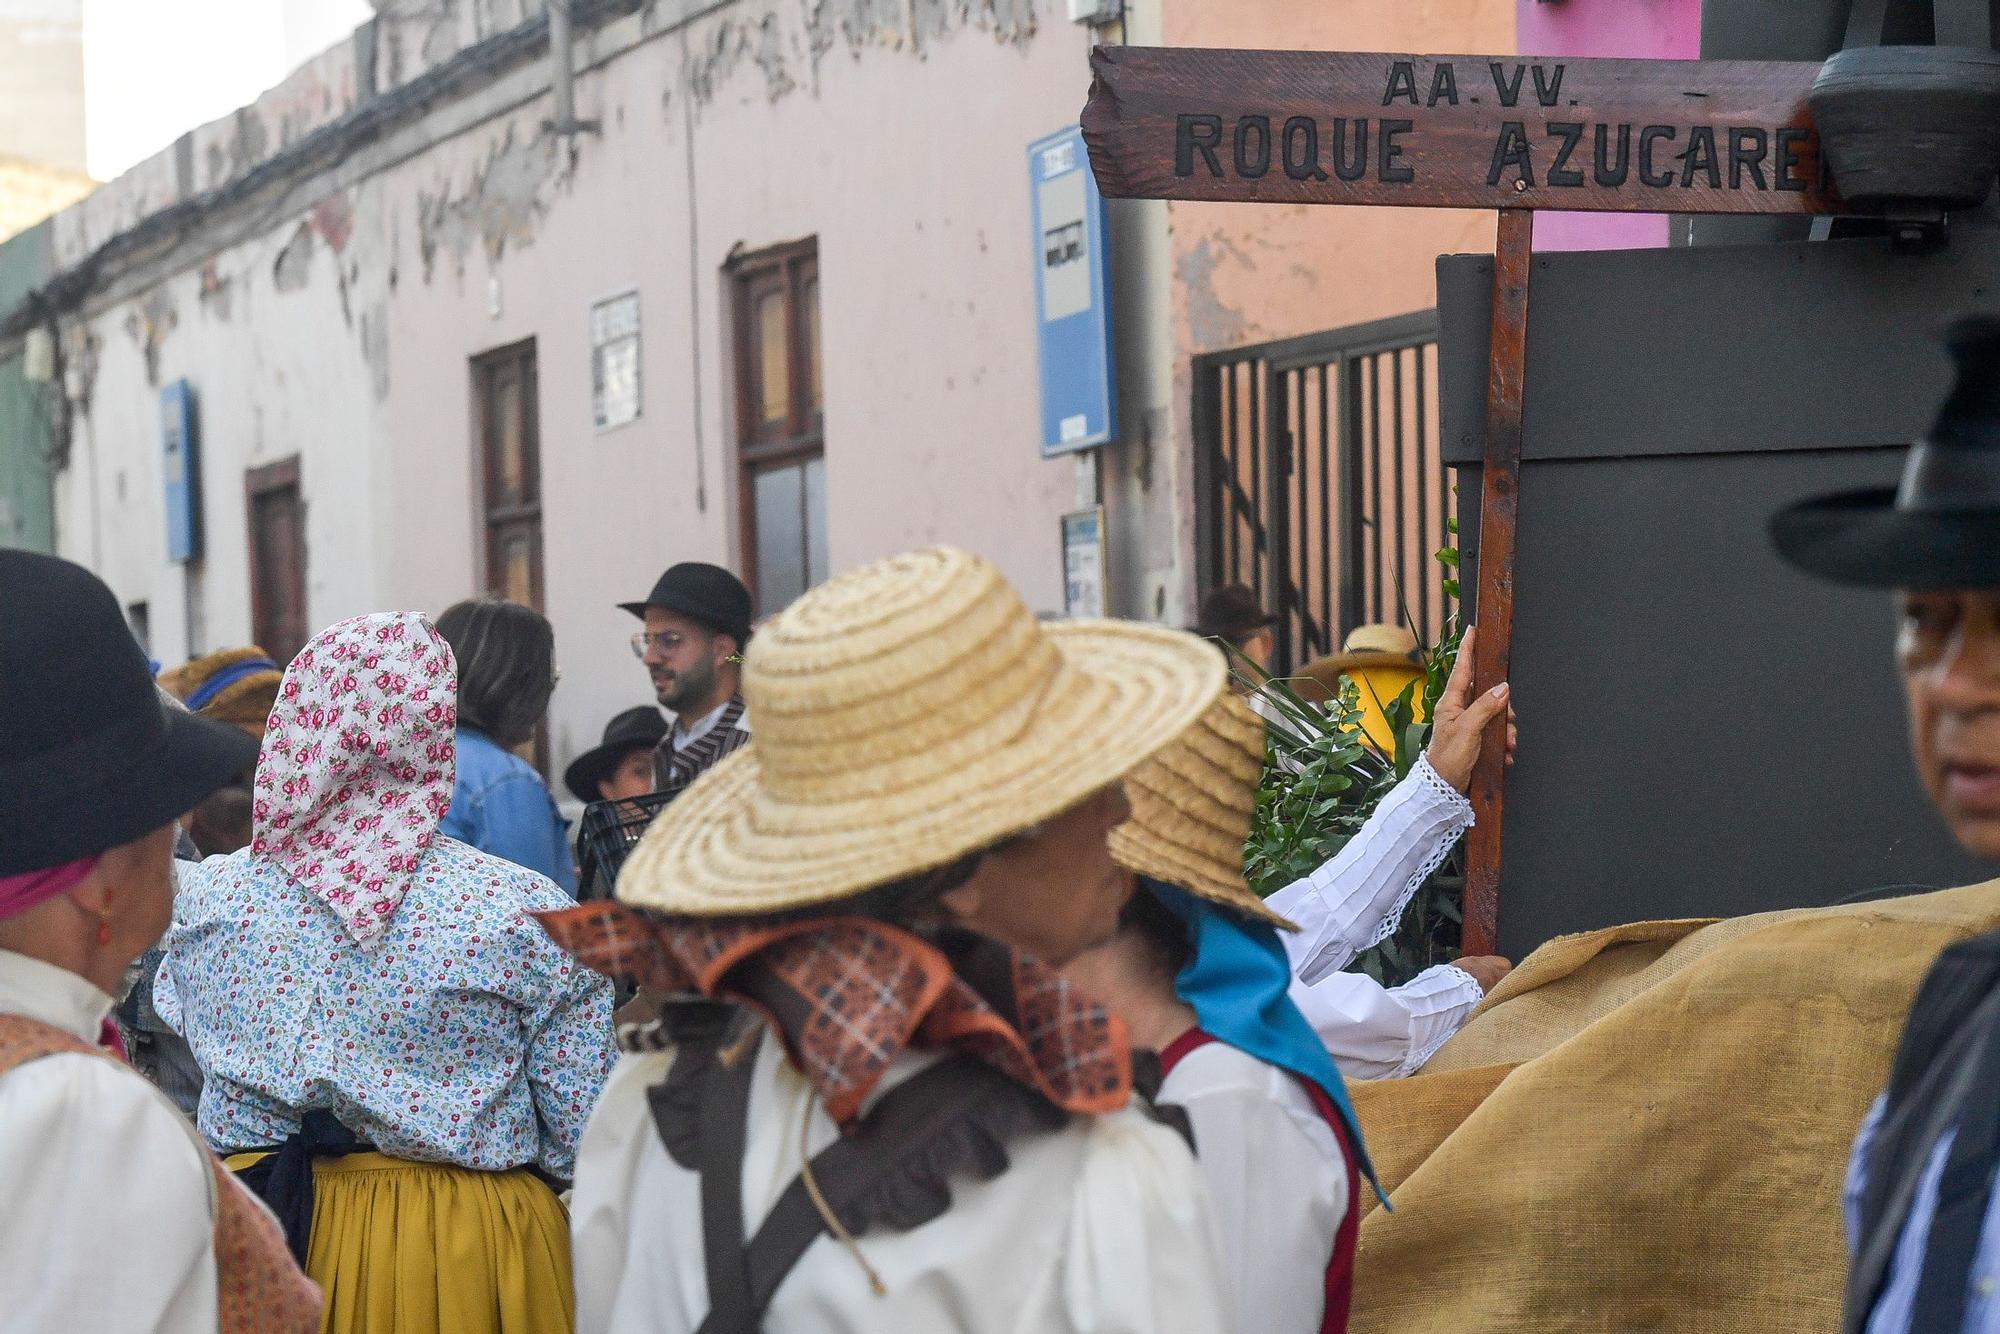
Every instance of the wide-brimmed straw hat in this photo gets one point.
(1191, 809)
(909, 713)
(1941, 527)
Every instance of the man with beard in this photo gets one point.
(697, 624)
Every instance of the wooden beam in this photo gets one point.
(1499, 502)
(1343, 127)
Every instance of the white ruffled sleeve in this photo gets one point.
(1378, 1032)
(1354, 901)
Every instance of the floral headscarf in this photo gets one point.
(357, 766)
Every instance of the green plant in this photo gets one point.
(1323, 778)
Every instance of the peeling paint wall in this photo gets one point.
(893, 131)
(277, 371)
(828, 118)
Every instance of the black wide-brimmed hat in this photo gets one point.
(1941, 527)
(707, 594)
(89, 759)
(634, 729)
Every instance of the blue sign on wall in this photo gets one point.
(180, 466)
(1072, 297)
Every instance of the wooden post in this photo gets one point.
(1499, 500)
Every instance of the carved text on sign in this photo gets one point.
(1456, 131)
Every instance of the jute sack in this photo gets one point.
(1647, 1127)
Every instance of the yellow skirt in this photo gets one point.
(423, 1248)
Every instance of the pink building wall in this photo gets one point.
(1649, 29)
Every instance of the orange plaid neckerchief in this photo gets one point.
(849, 994)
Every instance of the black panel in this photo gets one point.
(1716, 349)
(1704, 731)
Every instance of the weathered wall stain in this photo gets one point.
(148, 323)
(501, 205)
(293, 268)
(1211, 324)
(218, 291)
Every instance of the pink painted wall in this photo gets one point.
(1651, 29)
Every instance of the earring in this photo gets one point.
(104, 927)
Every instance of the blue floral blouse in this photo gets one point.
(463, 1035)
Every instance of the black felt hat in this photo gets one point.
(1941, 527)
(89, 759)
(708, 594)
(634, 729)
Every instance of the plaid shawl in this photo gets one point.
(847, 995)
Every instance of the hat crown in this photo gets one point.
(893, 674)
(1956, 466)
(76, 693)
(1381, 639)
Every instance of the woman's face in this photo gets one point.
(1055, 893)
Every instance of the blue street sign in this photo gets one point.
(1072, 297)
(181, 469)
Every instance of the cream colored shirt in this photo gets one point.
(109, 1205)
(1101, 1228)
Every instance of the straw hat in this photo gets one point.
(1191, 808)
(908, 713)
(238, 686)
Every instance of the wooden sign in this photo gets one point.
(1498, 132)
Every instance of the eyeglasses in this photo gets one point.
(666, 641)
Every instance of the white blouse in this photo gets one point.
(1278, 1181)
(1103, 1227)
(110, 1208)
(1354, 903)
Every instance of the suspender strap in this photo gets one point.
(724, 1115)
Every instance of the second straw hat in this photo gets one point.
(910, 712)
(1191, 809)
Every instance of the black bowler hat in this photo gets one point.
(634, 729)
(1941, 527)
(708, 594)
(89, 760)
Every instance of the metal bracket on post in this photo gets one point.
(562, 74)
(1499, 498)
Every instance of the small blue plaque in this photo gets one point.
(1072, 297)
(180, 467)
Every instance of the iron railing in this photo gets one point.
(1320, 483)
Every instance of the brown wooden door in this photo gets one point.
(510, 448)
(277, 559)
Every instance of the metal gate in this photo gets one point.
(1319, 481)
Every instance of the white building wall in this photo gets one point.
(903, 150)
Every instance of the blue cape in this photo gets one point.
(1238, 981)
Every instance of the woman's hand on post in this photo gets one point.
(1461, 721)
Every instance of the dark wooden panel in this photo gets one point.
(1337, 127)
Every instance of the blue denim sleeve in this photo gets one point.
(517, 820)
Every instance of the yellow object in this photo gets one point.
(424, 1248)
(907, 713)
(1648, 1127)
(1191, 809)
(1379, 686)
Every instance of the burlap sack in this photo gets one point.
(1647, 1128)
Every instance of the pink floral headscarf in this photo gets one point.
(357, 766)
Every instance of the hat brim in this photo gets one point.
(193, 758)
(727, 847)
(1861, 538)
(741, 634)
(592, 767)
